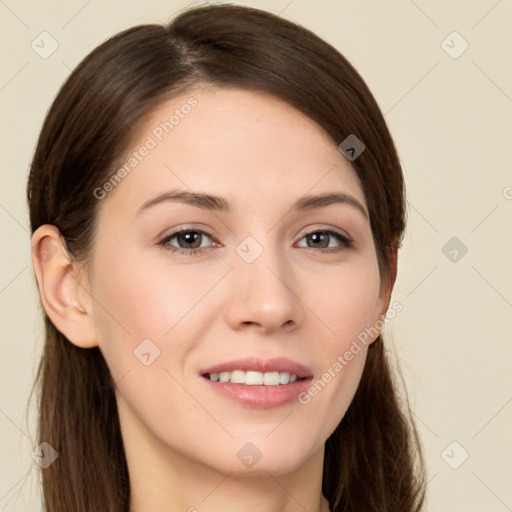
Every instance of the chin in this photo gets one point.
(260, 456)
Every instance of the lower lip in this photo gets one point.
(260, 397)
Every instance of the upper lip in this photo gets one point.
(277, 364)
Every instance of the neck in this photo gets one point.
(209, 491)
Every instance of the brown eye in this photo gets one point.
(323, 239)
(189, 239)
(186, 241)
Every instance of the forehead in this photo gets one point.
(247, 146)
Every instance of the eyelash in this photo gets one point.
(344, 239)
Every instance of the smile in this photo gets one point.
(253, 378)
(258, 383)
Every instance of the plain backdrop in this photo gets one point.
(440, 71)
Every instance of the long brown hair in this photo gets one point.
(373, 459)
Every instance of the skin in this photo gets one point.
(295, 301)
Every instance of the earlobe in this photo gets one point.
(64, 296)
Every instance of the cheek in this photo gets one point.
(145, 318)
(140, 299)
(345, 301)
(149, 317)
(129, 310)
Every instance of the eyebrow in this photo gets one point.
(219, 204)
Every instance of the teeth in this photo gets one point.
(284, 378)
(238, 377)
(224, 376)
(251, 378)
(270, 378)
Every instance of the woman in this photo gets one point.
(216, 208)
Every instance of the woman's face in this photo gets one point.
(258, 280)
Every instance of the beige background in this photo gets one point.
(451, 119)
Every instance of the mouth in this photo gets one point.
(254, 378)
(258, 383)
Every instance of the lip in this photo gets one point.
(260, 397)
(276, 364)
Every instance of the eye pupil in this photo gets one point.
(319, 237)
(190, 237)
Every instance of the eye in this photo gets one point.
(189, 241)
(195, 241)
(322, 239)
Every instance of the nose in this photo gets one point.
(264, 295)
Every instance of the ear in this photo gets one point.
(62, 287)
(386, 289)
